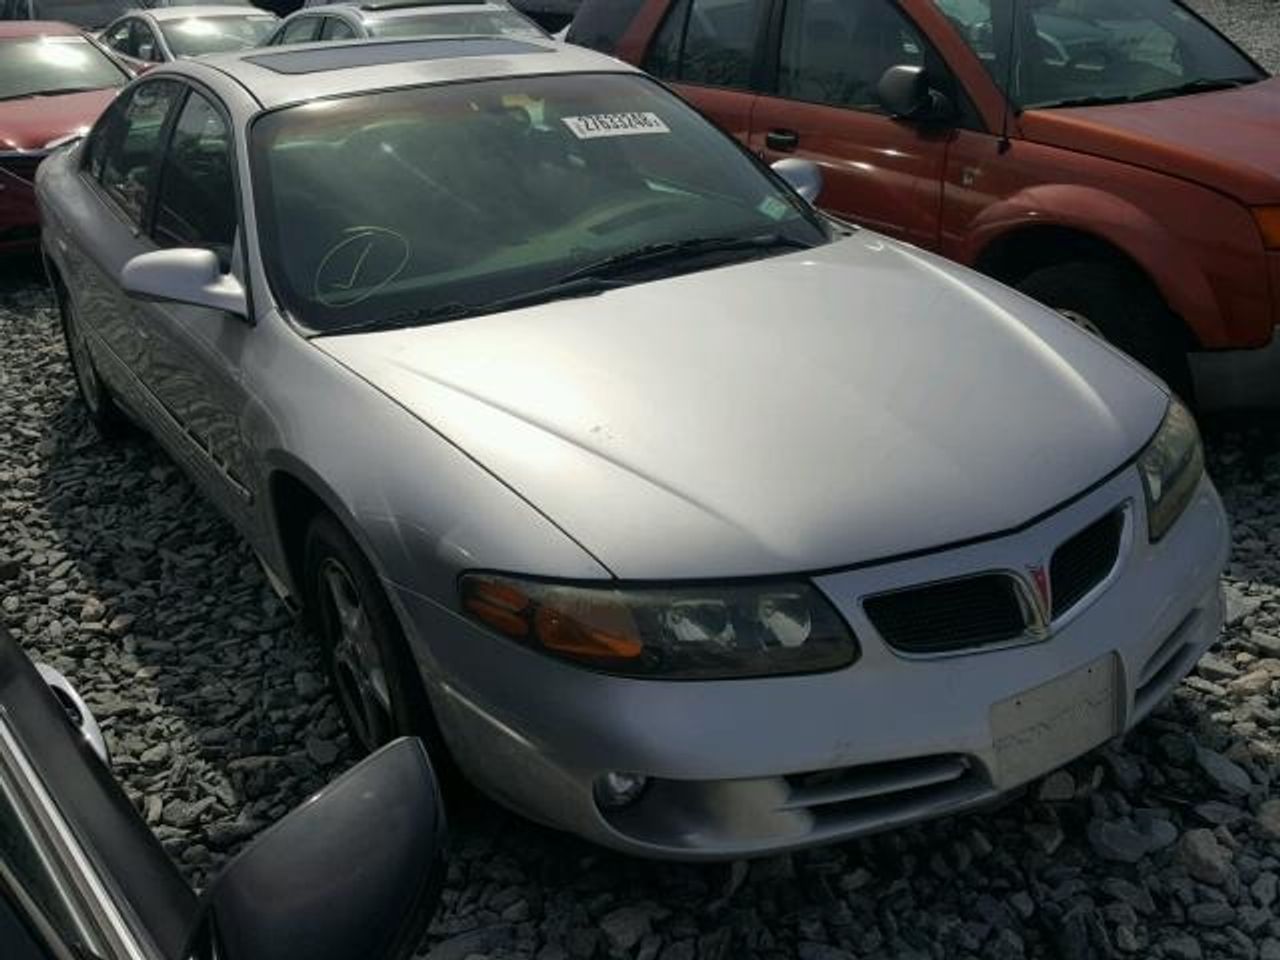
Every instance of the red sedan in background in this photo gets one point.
(54, 81)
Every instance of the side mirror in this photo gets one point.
(905, 92)
(356, 871)
(804, 176)
(79, 714)
(187, 276)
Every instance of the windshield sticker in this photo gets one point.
(595, 125)
(774, 208)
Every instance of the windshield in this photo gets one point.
(197, 35)
(470, 193)
(1069, 52)
(82, 13)
(504, 23)
(46, 66)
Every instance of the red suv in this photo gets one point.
(1118, 160)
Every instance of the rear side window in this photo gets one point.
(600, 24)
(127, 162)
(708, 42)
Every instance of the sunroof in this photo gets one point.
(344, 57)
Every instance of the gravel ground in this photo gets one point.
(114, 570)
(1254, 24)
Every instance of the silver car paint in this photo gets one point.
(902, 358)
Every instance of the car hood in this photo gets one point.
(809, 411)
(33, 123)
(1228, 140)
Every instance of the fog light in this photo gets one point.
(615, 790)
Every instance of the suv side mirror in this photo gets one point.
(356, 871)
(905, 92)
(191, 276)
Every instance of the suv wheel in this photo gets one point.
(1110, 301)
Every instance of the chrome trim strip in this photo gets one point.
(121, 940)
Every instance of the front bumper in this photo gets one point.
(750, 767)
(1238, 379)
(19, 217)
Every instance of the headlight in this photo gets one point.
(687, 633)
(1171, 467)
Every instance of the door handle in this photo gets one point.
(784, 140)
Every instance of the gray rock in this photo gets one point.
(625, 927)
(1127, 841)
(1229, 777)
(807, 950)
(1058, 787)
(1239, 605)
(1268, 819)
(1211, 913)
(1218, 813)
(1181, 947)
(322, 752)
(1129, 893)
(1269, 949)
(1264, 889)
(1205, 859)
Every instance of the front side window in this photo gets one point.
(335, 28)
(836, 51)
(709, 42)
(1084, 52)
(411, 202)
(484, 23)
(301, 30)
(131, 144)
(195, 36)
(196, 205)
(47, 66)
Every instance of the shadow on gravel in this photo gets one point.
(219, 721)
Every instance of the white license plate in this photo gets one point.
(1040, 730)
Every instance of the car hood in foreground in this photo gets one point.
(1228, 139)
(810, 411)
(34, 122)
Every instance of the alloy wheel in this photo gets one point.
(358, 669)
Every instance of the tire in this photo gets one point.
(105, 415)
(1121, 307)
(374, 678)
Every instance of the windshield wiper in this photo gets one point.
(53, 92)
(1201, 85)
(655, 254)
(457, 310)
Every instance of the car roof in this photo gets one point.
(387, 9)
(165, 14)
(272, 75)
(37, 28)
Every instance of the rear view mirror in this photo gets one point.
(189, 276)
(804, 176)
(356, 871)
(904, 91)
(146, 51)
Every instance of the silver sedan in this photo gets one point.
(684, 517)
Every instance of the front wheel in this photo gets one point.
(369, 665)
(1114, 303)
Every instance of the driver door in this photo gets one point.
(877, 171)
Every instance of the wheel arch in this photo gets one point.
(1057, 224)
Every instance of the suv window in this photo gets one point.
(709, 42)
(302, 30)
(197, 199)
(836, 51)
(600, 24)
(130, 144)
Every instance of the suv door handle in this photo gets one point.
(782, 140)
